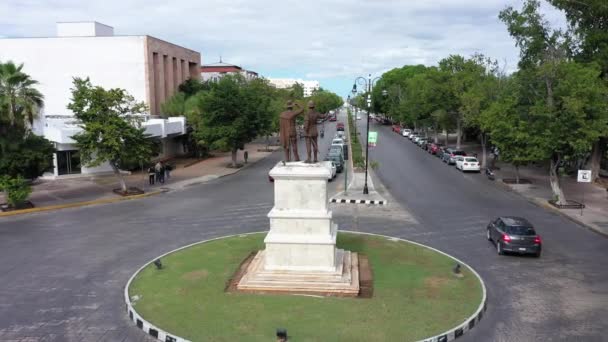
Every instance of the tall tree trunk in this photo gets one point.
(516, 173)
(436, 135)
(445, 132)
(458, 132)
(234, 152)
(121, 179)
(558, 193)
(484, 140)
(596, 158)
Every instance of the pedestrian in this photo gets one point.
(157, 169)
(162, 173)
(151, 175)
(246, 156)
(168, 169)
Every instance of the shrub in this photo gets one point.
(17, 190)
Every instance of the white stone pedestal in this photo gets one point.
(301, 254)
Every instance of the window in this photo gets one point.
(520, 230)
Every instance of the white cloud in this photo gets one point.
(316, 39)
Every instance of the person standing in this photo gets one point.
(157, 169)
(168, 169)
(151, 175)
(245, 156)
(310, 132)
(162, 173)
(287, 130)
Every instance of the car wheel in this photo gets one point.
(488, 235)
(537, 255)
(499, 249)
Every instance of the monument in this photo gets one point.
(287, 131)
(310, 132)
(301, 254)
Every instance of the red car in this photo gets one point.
(333, 118)
(433, 148)
(397, 129)
(340, 126)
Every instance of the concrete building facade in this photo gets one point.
(148, 68)
(281, 83)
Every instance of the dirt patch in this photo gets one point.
(195, 275)
(240, 271)
(433, 285)
(366, 278)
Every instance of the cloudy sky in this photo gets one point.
(332, 41)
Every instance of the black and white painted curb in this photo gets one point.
(165, 336)
(357, 201)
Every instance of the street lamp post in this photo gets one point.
(369, 85)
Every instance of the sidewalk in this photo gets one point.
(187, 172)
(595, 214)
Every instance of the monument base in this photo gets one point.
(343, 282)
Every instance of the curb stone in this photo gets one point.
(358, 201)
(446, 336)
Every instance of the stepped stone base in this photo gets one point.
(343, 282)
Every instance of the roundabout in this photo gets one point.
(416, 296)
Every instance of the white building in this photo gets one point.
(309, 86)
(148, 68)
(215, 71)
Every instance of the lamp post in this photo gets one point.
(369, 85)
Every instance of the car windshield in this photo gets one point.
(520, 230)
(459, 153)
(470, 160)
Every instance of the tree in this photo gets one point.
(20, 100)
(108, 119)
(22, 154)
(561, 94)
(588, 24)
(232, 113)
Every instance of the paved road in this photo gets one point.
(563, 296)
(62, 273)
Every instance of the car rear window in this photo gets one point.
(520, 230)
(459, 153)
(470, 160)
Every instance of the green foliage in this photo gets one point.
(21, 152)
(232, 113)
(192, 86)
(325, 100)
(17, 190)
(109, 122)
(174, 106)
(357, 150)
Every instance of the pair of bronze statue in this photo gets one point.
(289, 136)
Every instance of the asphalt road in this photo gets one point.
(563, 296)
(62, 273)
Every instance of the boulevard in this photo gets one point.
(63, 272)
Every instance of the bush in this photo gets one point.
(17, 190)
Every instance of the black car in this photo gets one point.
(514, 234)
(337, 158)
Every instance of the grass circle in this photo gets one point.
(415, 296)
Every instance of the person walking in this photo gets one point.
(151, 175)
(157, 169)
(168, 169)
(162, 173)
(245, 156)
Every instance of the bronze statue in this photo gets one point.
(287, 130)
(310, 132)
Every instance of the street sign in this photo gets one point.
(584, 176)
(372, 139)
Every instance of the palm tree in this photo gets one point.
(20, 102)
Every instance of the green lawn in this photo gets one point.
(415, 296)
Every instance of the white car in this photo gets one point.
(406, 132)
(337, 141)
(416, 138)
(465, 163)
(340, 135)
(331, 166)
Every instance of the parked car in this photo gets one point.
(333, 117)
(331, 166)
(406, 132)
(514, 234)
(338, 159)
(422, 142)
(440, 152)
(450, 154)
(467, 164)
(396, 128)
(416, 138)
(433, 148)
(340, 126)
(340, 135)
(412, 135)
